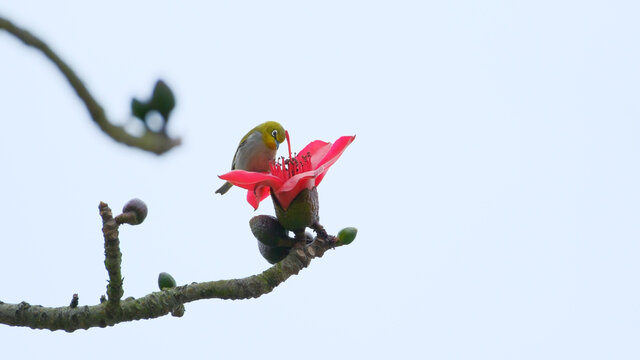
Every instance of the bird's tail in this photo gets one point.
(224, 188)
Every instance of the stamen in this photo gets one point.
(286, 134)
(287, 168)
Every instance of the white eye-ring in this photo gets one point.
(274, 133)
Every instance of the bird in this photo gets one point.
(256, 150)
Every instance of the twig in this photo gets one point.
(112, 258)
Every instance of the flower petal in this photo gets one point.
(294, 180)
(318, 150)
(256, 195)
(336, 150)
(286, 197)
(244, 179)
(262, 193)
(315, 148)
(334, 154)
(252, 199)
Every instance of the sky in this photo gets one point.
(493, 180)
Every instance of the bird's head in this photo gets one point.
(273, 134)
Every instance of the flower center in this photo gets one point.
(286, 168)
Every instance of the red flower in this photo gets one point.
(288, 177)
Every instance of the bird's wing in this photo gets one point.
(242, 144)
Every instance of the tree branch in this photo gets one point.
(112, 257)
(155, 142)
(114, 310)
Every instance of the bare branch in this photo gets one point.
(112, 258)
(115, 310)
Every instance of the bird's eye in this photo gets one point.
(274, 133)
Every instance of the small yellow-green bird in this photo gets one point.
(256, 149)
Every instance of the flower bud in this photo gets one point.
(268, 230)
(166, 281)
(162, 99)
(273, 254)
(74, 301)
(139, 109)
(134, 212)
(346, 236)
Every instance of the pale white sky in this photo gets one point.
(494, 178)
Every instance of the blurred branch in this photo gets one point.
(114, 310)
(155, 142)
